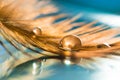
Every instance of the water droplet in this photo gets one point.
(37, 31)
(70, 42)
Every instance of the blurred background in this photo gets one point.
(106, 11)
(104, 5)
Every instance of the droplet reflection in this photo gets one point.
(37, 67)
(67, 61)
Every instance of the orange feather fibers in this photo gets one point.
(18, 19)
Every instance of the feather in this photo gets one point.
(18, 20)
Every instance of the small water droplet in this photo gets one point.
(37, 31)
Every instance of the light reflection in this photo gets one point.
(109, 69)
(107, 45)
(34, 68)
(37, 68)
(67, 62)
(109, 19)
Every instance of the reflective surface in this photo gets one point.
(106, 69)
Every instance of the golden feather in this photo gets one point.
(18, 20)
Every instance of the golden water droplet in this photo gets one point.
(37, 31)
(70, 42)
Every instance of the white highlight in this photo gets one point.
(67, 62)
(107, 45)
(35, 66)
(109, 19)
(109, 69)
